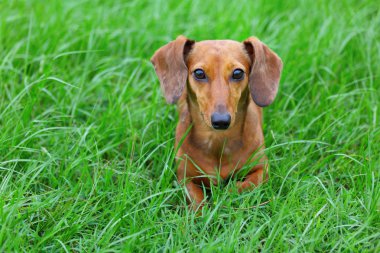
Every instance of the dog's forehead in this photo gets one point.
(218, 49)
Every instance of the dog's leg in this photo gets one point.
(253, 179)
(195, 196)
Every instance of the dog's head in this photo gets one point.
(218, 74)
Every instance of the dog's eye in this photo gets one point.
(199, 74)
(237, 74)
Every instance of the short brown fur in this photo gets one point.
(205, 153)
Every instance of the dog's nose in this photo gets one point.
(220, 120)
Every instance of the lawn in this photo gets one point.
(86, 138)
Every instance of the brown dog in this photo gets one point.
(220, 126)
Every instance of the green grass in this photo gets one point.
(86, 139)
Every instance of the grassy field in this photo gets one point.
(86, 139)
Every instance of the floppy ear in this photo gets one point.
(171, 69)
(265, 72)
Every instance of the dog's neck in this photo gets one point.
(217, 142)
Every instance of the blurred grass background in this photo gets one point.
(86, 139)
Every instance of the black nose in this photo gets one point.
(220, 120)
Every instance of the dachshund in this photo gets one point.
(220, 87)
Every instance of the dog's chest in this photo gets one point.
(221, 147)
(220, 159)
(213, 170)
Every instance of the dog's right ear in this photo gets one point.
(171, 69)
(265, 72)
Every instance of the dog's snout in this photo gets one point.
(220, 121)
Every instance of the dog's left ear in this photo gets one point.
(265, 72)
(171, 69)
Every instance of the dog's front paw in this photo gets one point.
(244, 185)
